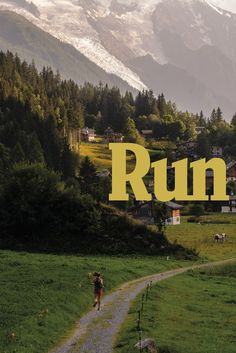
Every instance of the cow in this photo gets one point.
(220, 237)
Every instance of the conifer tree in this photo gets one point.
(88, 176)
(17, 154)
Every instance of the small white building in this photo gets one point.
(175, 218)
(88, 135)
(144, 211)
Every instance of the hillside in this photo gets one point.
(178, 85)
(31, 43)
(189, 42)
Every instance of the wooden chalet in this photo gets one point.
(111, 136)
(88, 135)
(231, 171)
(144, 211)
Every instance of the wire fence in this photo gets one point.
(140, 313)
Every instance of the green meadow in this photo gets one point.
(201, 236)
(100, 154)
(190, 313)
(43, 296)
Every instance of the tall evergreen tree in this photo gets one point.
(17, 154)
(88, 176)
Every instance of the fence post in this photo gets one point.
(140, 311)
(139, 331)
(147, 289)
(142, 302)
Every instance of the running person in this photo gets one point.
(98, 289)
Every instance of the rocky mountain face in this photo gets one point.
(31, 43)
(184, 48)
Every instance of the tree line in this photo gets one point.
(51, 199)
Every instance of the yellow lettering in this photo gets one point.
(199, 179)
(181, 181)
(120, 176)
(180, 192)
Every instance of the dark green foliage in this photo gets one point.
(203, 146)
(39, 108)
(4, 158)
(40, 212)
(233, 121)
(88, 177)
(35, 112)
(197, 210)
(161, 214)
(122, 235)
(131, 133)
(17, 153)
(43, 207)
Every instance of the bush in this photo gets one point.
(41, 213)
(197, 210)
(193, 220)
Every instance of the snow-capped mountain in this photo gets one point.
(229, 5)
(187, 43)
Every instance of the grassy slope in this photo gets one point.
(42, 296)
(98, 152)
(101, 155)
(61, 284)
(200, 236)
(191, 313)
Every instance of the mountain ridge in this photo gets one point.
(31, 43)
(114, 33)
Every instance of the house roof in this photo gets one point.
(174, 206)
(171, 205)
(86, 130)
(147, 132)
(104, 173)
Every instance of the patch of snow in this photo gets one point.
(69, 24)
(227, 5)
(99, 55)
(216, 8)
(68, 20)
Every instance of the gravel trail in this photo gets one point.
(97, 330)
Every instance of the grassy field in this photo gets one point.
(98, 152)
(200, 236)
(190, 313)
(42, 296)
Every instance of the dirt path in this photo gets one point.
(97, 330)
